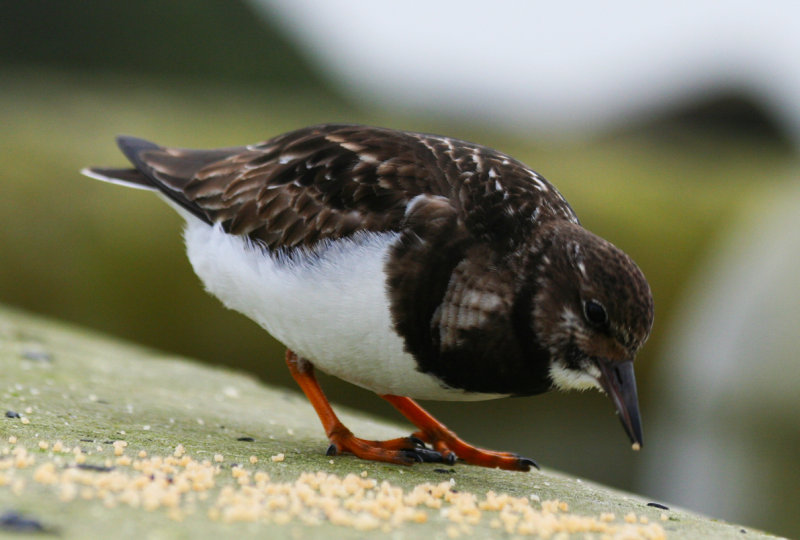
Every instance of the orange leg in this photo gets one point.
(449, 445)
(405, 450)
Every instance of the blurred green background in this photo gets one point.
(212, 73)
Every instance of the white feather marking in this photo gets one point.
(111, 180)
(571, 320)
(329, 305)
(368, 158)
(413, 203)
(565, 378)
(353, 147)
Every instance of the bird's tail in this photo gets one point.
(124, 177)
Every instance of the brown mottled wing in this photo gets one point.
(332, 180)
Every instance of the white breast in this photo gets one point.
(329, 305)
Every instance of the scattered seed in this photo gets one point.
(177, 483)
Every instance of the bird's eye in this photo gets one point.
(595, 313)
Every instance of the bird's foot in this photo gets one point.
(403, 451)
(450, 446)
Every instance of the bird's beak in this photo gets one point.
(619, 382)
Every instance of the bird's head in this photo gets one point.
(592, 311)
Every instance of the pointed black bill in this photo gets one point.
(619, 382)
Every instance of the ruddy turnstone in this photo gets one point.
(414, 265)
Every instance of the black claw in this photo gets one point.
(412, 455)
(332, 450)
(416, 441)
(529, 462)
(430, 456)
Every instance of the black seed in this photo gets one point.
(12, 521)
(246, 439)
(12, 414)
(37, 356)
(95, 468)
(658, 505)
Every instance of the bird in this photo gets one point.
(417, 266)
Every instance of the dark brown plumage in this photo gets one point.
(326, 182)
(490, 281)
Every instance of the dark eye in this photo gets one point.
(595, 313)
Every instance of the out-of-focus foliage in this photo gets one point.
(213, 40)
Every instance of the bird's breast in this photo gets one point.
(329, 304)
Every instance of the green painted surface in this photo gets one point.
(81, 387)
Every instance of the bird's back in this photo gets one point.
(330, 181)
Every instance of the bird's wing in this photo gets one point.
(329, 181)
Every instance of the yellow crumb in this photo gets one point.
(119, 447)
(181, 487)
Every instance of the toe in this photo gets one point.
(528, 462)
